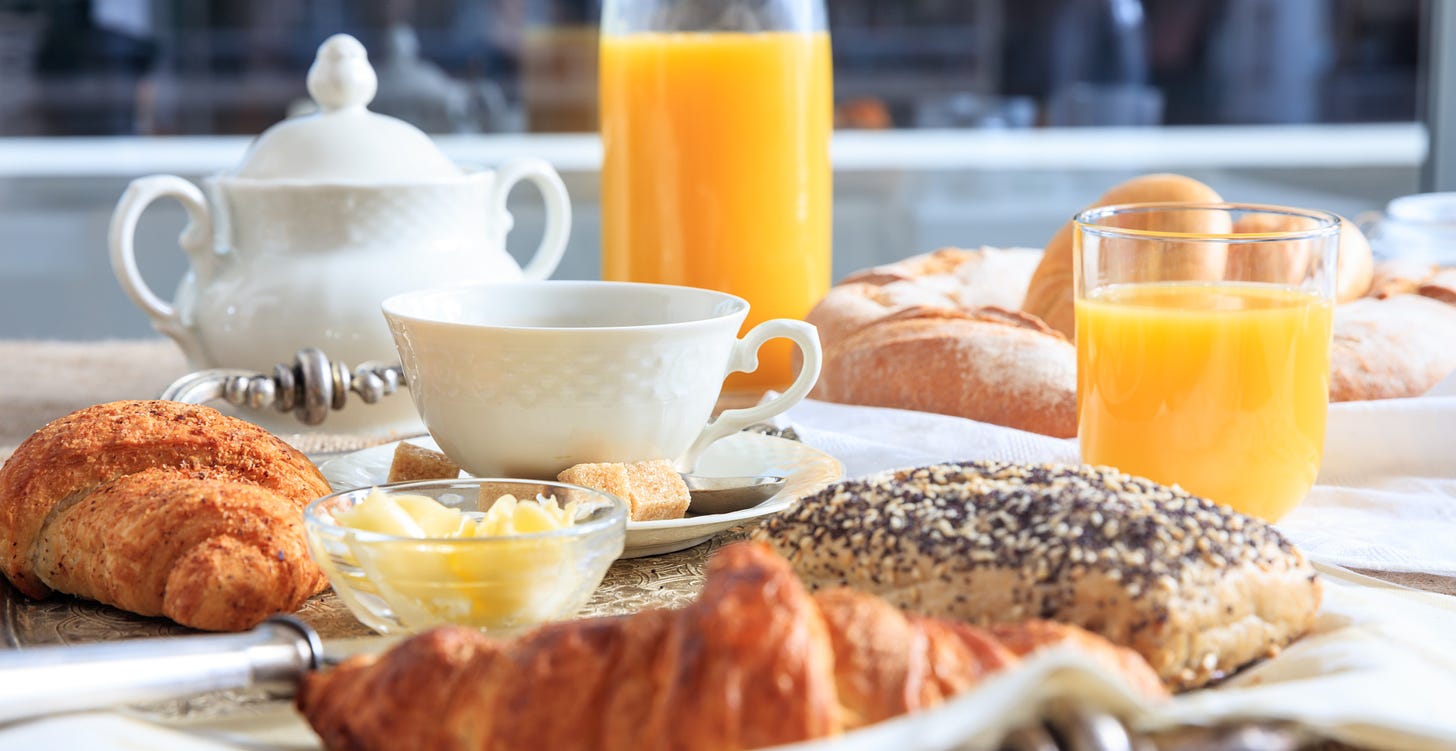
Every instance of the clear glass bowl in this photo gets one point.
(400, 585)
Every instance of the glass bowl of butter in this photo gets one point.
(493, 554)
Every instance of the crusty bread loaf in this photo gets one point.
(1392, 348)
(1440, 286)
(992, 365)
(937, 332)
(1195, 588)
(950, 278)
(926, 333)
(1399, 276)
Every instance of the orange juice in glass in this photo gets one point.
(1203, 347)
(715, 122)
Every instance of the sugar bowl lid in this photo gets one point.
(343, 142)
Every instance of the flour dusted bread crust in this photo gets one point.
(1196, 589)
(1392, 348)
(940, 332)
(1399, 276)
(949, 278)
(1441, 286)
(987, 364)
(114, 500)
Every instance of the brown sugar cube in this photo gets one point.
(413, 462)
(652, 489)
(490, 492)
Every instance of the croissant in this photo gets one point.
(161, 508)
(755, 662)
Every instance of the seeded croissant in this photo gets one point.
(755, 662)
(161, 508)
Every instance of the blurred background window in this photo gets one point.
(188, 67)
(962, 122)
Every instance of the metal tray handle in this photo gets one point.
(309, 387)
(50, 680)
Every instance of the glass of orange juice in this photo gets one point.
(1203, 346)
(715, 118)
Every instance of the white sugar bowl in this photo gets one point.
(328, 215)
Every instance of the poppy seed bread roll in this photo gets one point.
(1195, 588)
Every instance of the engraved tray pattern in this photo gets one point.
(632, 584)
(665, 581)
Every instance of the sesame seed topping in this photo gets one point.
(1053, 523)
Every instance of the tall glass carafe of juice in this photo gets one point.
(715, 119)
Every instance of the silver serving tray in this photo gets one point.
(631, 585)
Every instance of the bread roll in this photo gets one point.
(1399, 276)
(1049, 296)
(1357, 263)
(1385, 349)
(1288, 262)
(1283, 262)
(949, 278)
(1195, 588)
(992, 365)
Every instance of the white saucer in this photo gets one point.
(805, 469)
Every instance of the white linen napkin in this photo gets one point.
(1385, 499)
(1377, 672)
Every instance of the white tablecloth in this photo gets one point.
(1385, 499)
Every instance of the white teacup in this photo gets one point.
(528, 378)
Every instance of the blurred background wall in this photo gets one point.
(962, 122)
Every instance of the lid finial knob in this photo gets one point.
(341, 77)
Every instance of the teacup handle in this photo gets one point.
(558, 211)
(196, 241)
(745, 359)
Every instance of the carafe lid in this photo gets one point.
(343, 141)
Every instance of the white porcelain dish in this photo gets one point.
(805, 470)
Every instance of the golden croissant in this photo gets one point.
(161, 508)
(756, 661)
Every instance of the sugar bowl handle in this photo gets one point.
(196, 241)
(558, 211)
(309, 387)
